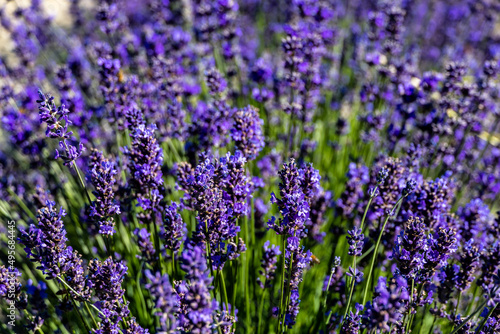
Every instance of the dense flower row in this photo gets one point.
(223, 166)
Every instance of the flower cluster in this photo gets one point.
(218, 190)
(197, 309)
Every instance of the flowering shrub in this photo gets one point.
(224, 166)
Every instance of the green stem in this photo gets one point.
(433, 324)
(456, 307)
(81, 182)
(458, 303)
(487, 317)
(370, 272)
(327, 287)
(173, 264)
(80, 315)
(261, 308)
(157, 243)
(456, 330)
(91, 315)
(78, 173)
(21, 204)
(410, 306)
(288, 291)
(365, 254)
(474, 295)
(282, 282)
(426, 310)
(208, 251)
(224, 291)
(372, 196)
(352, 289)
(79, 295)
(412, 317)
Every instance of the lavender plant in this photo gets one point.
(231, 166)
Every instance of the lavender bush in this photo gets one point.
(224, 166)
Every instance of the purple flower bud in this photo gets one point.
(355, 239)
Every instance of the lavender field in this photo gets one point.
(250, 166)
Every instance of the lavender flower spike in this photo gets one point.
(247, 132)
(175, 229)
(293, 205)
(104, 208)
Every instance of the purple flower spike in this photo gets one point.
(355, 239)
(293, 205)
(145, 160)
(103, 209)
(175, 229)
(197, 308)
(247, 132)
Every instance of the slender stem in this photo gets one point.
(370, 272)
(209, 257)
(352, 290)
(108, 248)
(21, 204)
(282, 282)
(173, 264)
(81, 181)
(456, 307)
(480, 307)
(474, 295)
(458, 303)
(426, 310)
(365, 254)
(328, 318)
(410, 306)
(487, 317)
(80, 315)
(246, 258)
(412, 316)
(325, 323)
(327, 287)
(261, 308)
(91, 316)
(79, 175)
(157, 243)
(79, 295)
(289, 140)
(234, 273)
(224, 291)
(288, 291)
(372, 196)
